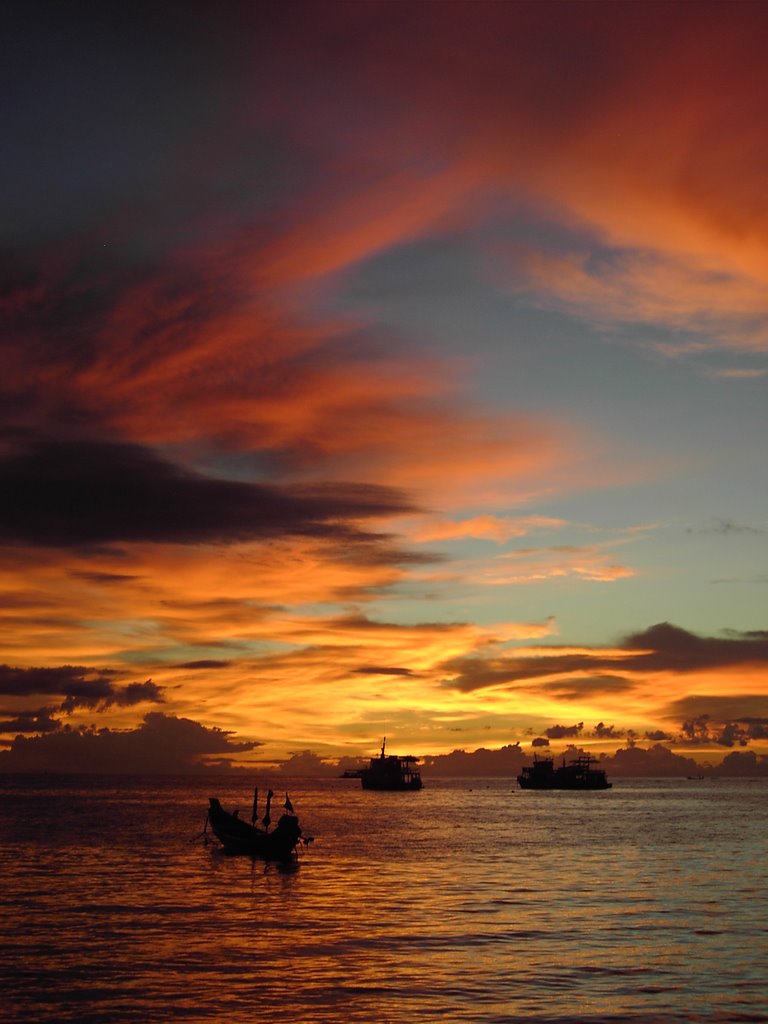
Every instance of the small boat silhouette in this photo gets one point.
(237, 836)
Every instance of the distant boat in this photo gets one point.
(387, 771)
(578, 774)
(238, 836)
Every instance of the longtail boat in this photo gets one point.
(237, 836)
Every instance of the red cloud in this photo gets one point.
(642, 123)
(192, 356)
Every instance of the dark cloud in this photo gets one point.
(64, 679)
(735, 734)
(741, 707)
(381, 670)
(135, 693)
(540, 741)
(759, 725)
(205, 663)
(39, 721)
(125, 696)
(161, 744)
(104, 577)
(70, 494)
(80, 688)
(505, 762)
(740, 732)
(699, 730)
(588, 686)
(602, 731)
(657, 761)
(306, 762)
(662, 647)
(559, 732)
(670, 647)
(474, 673)
(742, 763)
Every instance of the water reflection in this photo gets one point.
(461, 902)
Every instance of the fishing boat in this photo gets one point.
(577, 774)
(388, 771)
(237, 836)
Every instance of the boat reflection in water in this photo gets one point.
(577, 774)
(387, 771)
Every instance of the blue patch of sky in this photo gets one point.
(692, 444)
(434, 294)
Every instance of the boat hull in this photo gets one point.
(392, 785)
(525, 783)
(238, 836)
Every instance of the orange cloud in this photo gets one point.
(485, 527)
(591, 563)
(221, 636)
(659, 288)
(192, 358)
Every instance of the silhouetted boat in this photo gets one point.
(387, 771)
(238, 836)
(578, 774)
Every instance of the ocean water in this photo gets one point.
(468, 901)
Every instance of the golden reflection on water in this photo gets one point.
(461, 902)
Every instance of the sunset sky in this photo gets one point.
(382, 368)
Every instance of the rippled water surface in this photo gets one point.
(469, 901)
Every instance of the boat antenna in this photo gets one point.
(383, 744)
(255, 811)
(266, 820)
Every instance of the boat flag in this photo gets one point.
(266, 820)
(288, 805)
